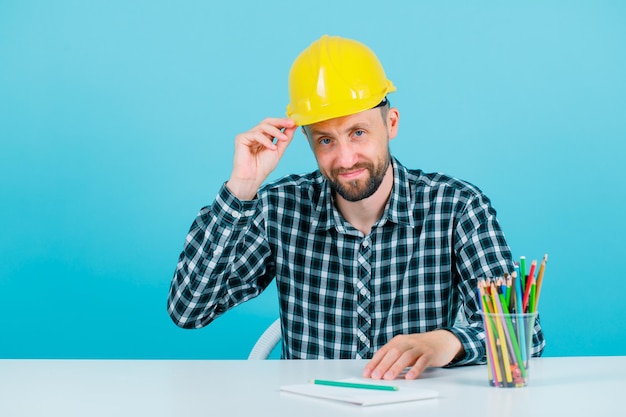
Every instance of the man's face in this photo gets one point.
(352, 152)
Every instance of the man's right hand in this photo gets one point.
(257, 155)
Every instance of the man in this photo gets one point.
(371, 259)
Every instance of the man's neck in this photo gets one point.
(364, 213)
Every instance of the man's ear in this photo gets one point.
(393, 120)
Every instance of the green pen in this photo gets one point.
(354, 385)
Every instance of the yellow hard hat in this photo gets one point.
(335, 77)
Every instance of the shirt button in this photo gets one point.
(365, 244)
(363, 292)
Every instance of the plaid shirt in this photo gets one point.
(343, 294)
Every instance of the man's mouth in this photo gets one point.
(351, 174)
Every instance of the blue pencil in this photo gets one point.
(520, 323)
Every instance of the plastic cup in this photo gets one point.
(508, 338)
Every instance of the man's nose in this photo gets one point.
(346, 154)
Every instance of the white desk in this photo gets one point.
(582, 386)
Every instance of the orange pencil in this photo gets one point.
(542, 268)
(501, 338)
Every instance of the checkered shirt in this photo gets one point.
(342, 294)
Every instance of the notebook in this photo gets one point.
(407, 391)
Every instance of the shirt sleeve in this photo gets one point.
(481, 251)
(223, 262)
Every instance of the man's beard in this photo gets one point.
(360, 189)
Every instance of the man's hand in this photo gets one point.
(256, 155)
(418, 351)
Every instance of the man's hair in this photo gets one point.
(384, 106)
(384, 109)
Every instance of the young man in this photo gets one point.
(371, 259)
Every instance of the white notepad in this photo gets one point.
(363, 397)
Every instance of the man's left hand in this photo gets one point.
(418, 351)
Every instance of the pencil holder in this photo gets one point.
(508, 339)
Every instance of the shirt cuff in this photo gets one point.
(473, 345)
(229, 209)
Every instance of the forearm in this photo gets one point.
(472, 338)
(485, 254)
(212, 274)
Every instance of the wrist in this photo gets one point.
(244, 190)
(454, 343)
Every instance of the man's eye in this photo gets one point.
(325, 141)
(359, 133)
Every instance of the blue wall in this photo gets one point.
(117, 122)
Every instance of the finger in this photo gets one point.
(373, 363)
(270, 128)
(271, 132)
(382, 369)
(420, 366)
(289, 132)
(282, 144)
(406, 359)
(256, 140)
(277, 124)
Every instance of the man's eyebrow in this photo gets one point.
(317, 132)
(356, 126)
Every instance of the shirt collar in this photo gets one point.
(398, 210)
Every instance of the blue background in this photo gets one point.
(117, 121)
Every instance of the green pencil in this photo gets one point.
(354, 385)
(522, 271)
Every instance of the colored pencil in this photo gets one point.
(542, 268)
(520, 330)
(354, 385)
(511, 336)
(509, 306)
(509, 290)
(493, 362)
(501, 339)
(522, 270)
(529, 282)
